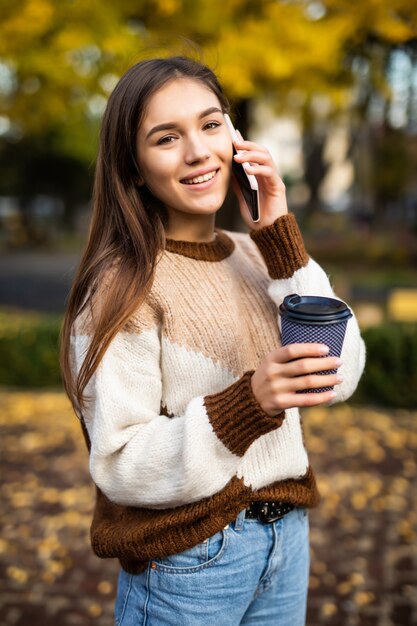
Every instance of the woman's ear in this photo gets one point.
(139, 181)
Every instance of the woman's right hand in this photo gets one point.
(293, 368)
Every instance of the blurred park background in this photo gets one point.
(330, 87)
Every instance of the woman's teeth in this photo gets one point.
(199, 179)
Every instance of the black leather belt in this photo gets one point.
(268, 512)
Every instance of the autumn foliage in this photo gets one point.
(60, 60)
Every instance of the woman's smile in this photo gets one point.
(197, 179)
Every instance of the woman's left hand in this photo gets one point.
(272, 198)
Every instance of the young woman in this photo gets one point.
(171, 357)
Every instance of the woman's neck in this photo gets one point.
(191, 228)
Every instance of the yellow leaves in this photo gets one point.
(319, 567)
(46, 512)
(314, 582)
(396, 502)
(72, 39)
(74, 518)
(373, 486)
(375, 453)
(367, 516)
(344, 588)
(33, 18)
(400, 485)
(368, 498)
(359, 501)
(328, 609)
(379, 505)
(361, 598)
(393, 21)
(318, 416)
(356, 579)
(262, 47)
(410, 468)
(17, 574)
(48, 412)
(3, 546)
(356, 588)
(47, 500)
(317, 445)
(55, 568)
(407, 531)
(47, 547)
(95, 610)
(51, 495)
(388, 25)
(38, 13)
(31, 442)
(21, 499)
(169, 7)
(350, 524)
(397, 439)
(105, 587)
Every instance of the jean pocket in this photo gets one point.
(198, 557)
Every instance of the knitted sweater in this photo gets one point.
(178, 442)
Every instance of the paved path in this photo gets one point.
(38, 281)
(363, 535)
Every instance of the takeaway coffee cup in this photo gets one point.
(314, 319)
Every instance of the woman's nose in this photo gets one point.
(196, 150)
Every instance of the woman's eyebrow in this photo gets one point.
(171, 125)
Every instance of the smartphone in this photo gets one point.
(247, 182)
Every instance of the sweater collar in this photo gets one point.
(217, 250)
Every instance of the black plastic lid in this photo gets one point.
(314, 309)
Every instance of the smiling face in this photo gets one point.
(184, 151)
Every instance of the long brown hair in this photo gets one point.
(127, 231)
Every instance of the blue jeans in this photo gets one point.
(248, 573)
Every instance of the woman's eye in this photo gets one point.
(212, 125)
(165, 140)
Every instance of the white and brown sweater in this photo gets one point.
(179, 444)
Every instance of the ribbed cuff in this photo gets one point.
(281, 245)
(237, 417)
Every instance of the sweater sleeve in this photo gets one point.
(142, 457)
(292, 271)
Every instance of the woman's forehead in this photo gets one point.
(184, 97)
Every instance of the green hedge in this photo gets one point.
(29, 353)
(29, 358)
(390, 377)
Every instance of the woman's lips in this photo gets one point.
(198, 180)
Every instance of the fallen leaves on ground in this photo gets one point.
(47, 570)
(363, 534)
